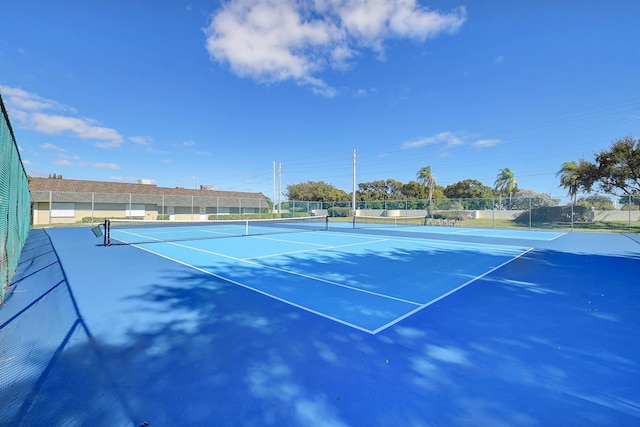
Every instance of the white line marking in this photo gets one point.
(433, 301)
(420, 306)
(324, 248)
(235, 282)
(293, 273)
(560, 235)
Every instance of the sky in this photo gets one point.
(190, 93)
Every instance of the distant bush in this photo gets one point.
(457, 215)
(553, 214)
(338, 211)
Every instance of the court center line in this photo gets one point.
(419, 306)
(235, 282)
(323, 248)
(306, 276)
(446, 294)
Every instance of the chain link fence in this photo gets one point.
(15, 220)
(52, 208)
(594, 213)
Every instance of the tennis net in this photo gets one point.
(122, 231)
(387, 221)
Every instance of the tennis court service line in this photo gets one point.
(294, 273)
(150, 236)
(319, 248)
(251, 288)
(446, 294)
(270, 295)
(455, 244)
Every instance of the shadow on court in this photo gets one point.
(549, 339)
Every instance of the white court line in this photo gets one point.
(319, 249)
(560, 235)
(235, 282)
(433, 301)
(293, 273)
(422, 242)
(439, 242)
(149, 236)
(420, 306)
(464, 231)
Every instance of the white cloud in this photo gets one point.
(62, 162)
(27, 101)
(278, 40)
(483, 143)
(363, 93)
(448, 139)
(107, 166)
(141, 140)
(50, 117)
(49, 146)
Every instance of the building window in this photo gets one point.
(63, 210)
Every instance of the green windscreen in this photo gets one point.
(15, 211)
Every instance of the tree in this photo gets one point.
(315, 191)
(615, 169)
(393, 189)
(428, 181)
(412, 191)
(619, 168)
(468, 189)
(570, 178)
(596, 202)
(373, 190)
(523, 199)
(505, 183)
(629, 203)
(471, 189)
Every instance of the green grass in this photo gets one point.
(600, 226)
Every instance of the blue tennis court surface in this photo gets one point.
(337, 287)
(379, 327)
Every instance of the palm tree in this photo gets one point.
(428, 181)
(505, 182)
(569, 178)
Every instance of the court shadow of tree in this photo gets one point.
(75, 388)
(548, 339)
(517, 346)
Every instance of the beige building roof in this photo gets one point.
(81, 186)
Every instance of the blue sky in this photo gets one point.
(186, 93)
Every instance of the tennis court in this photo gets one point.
(333, 325)
(316, 272)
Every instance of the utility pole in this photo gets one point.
(280, 188)
(353, 195)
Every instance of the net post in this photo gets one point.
(353, 220)
(107, 233)
(326, 223)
